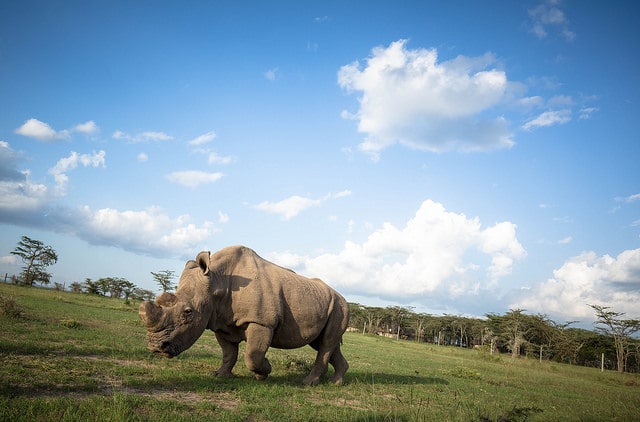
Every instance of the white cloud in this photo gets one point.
(10, 260)
(271, 74)
(294, 205)
(408, 97)
(150, 231)
(549, 118)
(214, 158)
(632, 198)
(148, 136)
(193, 178)
(88, 128)
(565, 240)
(290, 207)
(586, 112)
(203, 139)
(143, 157)
(18, 197)
(548, 16)
(223, 218)
(65, 165)
(34, 128)
(588, 279)
(342, 194)
(437, 253)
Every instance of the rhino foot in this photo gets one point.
(337, 380)
(311, 380)
(223, 373)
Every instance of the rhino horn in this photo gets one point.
(166, 299)
(150, 314)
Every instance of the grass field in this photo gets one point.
(71, 356)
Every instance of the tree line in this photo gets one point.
(515, 332)
(611, 344)
(37, 257)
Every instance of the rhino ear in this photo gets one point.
(203, 261)
(190, 264)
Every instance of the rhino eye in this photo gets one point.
(187, 316)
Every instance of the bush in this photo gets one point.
(9, 307)
(69, 323)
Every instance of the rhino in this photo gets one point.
(242, 297)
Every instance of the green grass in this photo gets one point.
(69, 356)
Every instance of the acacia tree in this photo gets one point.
(36, 257)
(511, 328)
(609, 323)
(165, 279)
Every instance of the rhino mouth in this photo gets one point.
(163, 348)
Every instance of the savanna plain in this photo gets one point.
(72, 356)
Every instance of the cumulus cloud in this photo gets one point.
(436, 254)
(9, 159)
(142, 157)
(192, 178)
(149, 231)
(10, 260)
(588, 279)
(409, 97)
(65, 165)
(36, 129)
(148, 136)
(18, 197)
(17, 193)
(294, 205)
(88, 128)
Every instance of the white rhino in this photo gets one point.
(240, 296)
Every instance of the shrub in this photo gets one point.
(9, 307)
(69, 323)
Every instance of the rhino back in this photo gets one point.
(296, 307)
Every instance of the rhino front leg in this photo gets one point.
(229, 356)
(258, 341)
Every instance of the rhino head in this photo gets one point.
(175, 321)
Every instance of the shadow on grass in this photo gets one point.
(392, 379)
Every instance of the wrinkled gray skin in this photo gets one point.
(242, 297)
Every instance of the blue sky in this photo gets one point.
(460, 157)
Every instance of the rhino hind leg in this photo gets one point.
(340, 365)
(258, 341)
